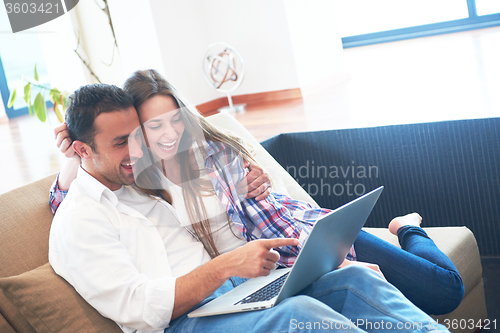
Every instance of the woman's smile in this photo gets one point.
(163, 126)
(167, 147)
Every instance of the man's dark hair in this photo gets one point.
(87, 102)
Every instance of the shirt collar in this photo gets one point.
(94, 188)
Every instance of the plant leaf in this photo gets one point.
(40, 108)
(54, 95)
(27, 97)
(27, 92)
(60, 117)
(64, 96)
(36, 74)
(63, 108)
(12, 98)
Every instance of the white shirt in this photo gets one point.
(225, 234)
(122, 252)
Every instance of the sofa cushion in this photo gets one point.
(50, 304)
(12, 318)
(5, 327)
(25, 219)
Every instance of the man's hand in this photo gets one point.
(360, 263)
(256, 184)
(254, 259)
(63, 141)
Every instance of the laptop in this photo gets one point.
(325, 249)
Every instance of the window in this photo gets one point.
(19, 53)
(364, 22)
(486, 7)
(49, 46)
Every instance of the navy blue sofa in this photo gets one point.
(446, 171)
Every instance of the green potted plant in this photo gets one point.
(38, 106)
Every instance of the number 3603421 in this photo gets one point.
(485, 324)
(32, 8)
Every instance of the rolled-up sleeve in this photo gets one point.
(56, 195)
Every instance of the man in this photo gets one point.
(129, 257)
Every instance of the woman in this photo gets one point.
(195, 167)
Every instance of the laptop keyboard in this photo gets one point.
(265, 293)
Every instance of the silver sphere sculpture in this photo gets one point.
(223, 69)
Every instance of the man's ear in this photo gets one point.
(82, 149)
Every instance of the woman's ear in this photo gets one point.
(82, 149)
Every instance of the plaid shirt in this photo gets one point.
(276, 216)
(56, 196)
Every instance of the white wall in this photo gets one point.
(316, 43)
(258, 30)
(97, 43)
(64, 68)
(138, 43)
(275, 39)
(184, 29)
(183, 35)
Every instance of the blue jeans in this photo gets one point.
(424, 274)
(353, 299)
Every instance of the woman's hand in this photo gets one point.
(257, 183)
(63, 141)
(70, 167)
(370, 266)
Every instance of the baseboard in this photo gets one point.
(211, 107)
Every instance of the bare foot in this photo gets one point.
(398, 222)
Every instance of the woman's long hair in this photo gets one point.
(145, 84)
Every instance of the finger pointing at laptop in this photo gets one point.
(256, 258)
